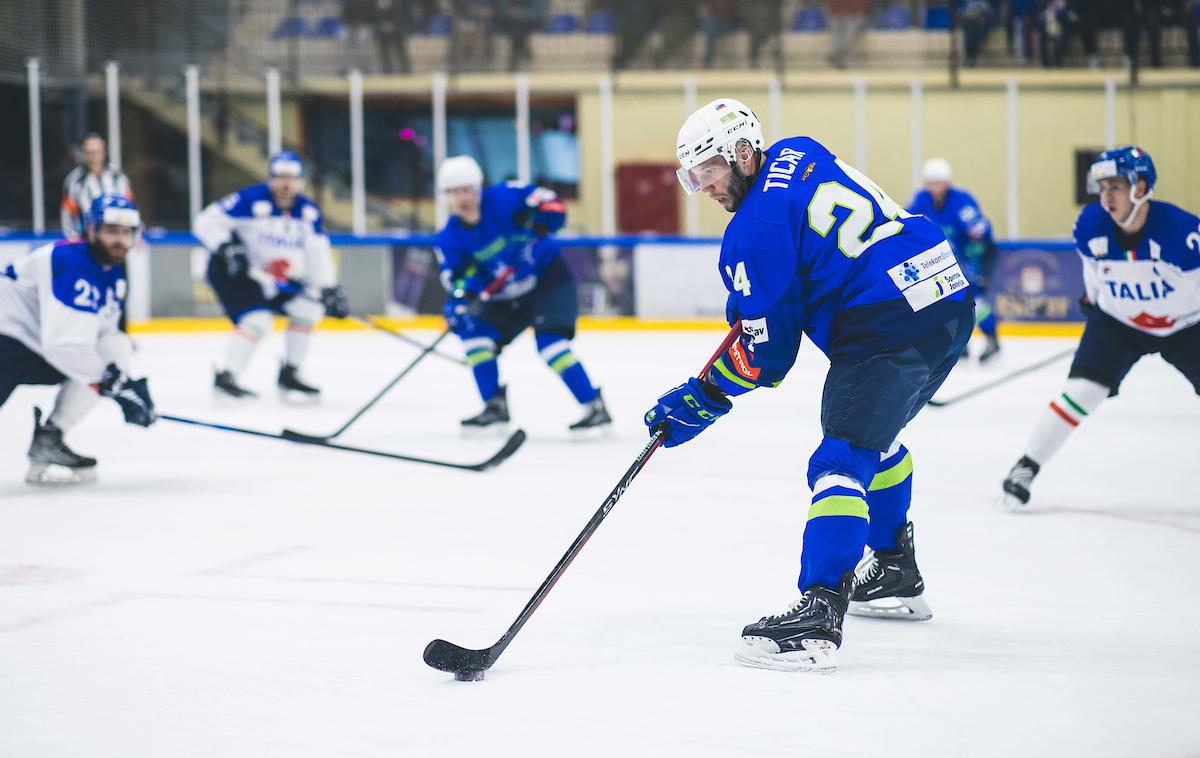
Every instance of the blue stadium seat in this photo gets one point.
(895, 18)
(937, 18)
(809, 20)
(328, 27)
(441, 25)
(289, 26)
(600, 22)
(562, 23)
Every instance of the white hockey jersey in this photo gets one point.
(281, 246)
(1154, 288)
(64, 305)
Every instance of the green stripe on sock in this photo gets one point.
(1074, 405)
(564, 362)
(839, 505)
(480, 356)
(720, 364)
(894, 475)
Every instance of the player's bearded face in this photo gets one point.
(112, 242)
(284, 190)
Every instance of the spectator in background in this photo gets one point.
(717, 18)
(847, 21)
(977, 19)
(518, 19)
(93, 177)
(763, 19)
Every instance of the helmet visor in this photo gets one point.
(704, 174)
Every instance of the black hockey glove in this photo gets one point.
(233, 255)
(334, 300)
(131, 394)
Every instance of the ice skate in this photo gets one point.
(293, 390)
(51, 462)
(803, 638)
(595, 422)
(888, 584)
(493, 419)
(226, 387)
(1016, 484)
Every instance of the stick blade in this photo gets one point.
(511, 446)
(466, 665)
(292, 435)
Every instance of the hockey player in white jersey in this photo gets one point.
(59, 309)
(1141, 271)
(270, 254)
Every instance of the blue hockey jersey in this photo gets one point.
(1154, 287)
(961, 220)
(516, 221)
(817, 248)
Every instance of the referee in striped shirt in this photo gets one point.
(87, 181)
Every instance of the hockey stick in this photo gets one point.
(484, 296)
(510, 446)
(1001, 380)
(469, 665)
(368, 321)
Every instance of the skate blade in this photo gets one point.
(499, 430)
(53, 475)
(897, 608)
(295, 397)
(604, 431)
(817, 657)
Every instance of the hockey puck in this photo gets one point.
(468, 676)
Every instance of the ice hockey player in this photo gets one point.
(59, 308)
(1141, 273)
(970, 234)
(270, 254)
(815, 247)
(510, 226)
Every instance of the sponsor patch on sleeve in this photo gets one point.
(928, 277)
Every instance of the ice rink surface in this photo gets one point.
(221, 595)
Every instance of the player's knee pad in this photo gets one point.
(255, 324)
(838, 457)
(304, 312)
(479, 350)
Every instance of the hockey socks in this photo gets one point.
(481, 357)
(1078, 399)
(556, 351)
(889, 497)
(835, 533)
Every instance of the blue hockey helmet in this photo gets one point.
(285, 163)
(115, 209)
(1131, 162)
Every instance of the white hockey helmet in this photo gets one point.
(714, 131)
(459, 171)
(936, 170)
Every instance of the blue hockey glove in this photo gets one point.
(131, 394)
(458, 313)
(335, 302)
(233, 254)
(686, 411)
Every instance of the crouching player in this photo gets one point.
(270, 254)
(59, 310)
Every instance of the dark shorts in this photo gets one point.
(240, 294)
(551, 308)
(20, 365)
(867, 403)
(1108, 349)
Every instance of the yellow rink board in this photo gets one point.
(586, 323)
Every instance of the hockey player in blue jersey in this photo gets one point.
(1141, 273)
(59, 310)
(815, 247)
(970, 233)
(510, 227)
(270, 254)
